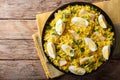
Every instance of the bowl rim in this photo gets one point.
(98, 9)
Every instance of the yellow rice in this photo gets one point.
(67, 38)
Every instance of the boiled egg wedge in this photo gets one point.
(106, 52)
(60, 27)
(51, 49)
(102, 21)
(77, 70)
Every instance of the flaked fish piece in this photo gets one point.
(62, 62)
(101, 37)
(78, 21)
(83, 11)
(75, 35)
(85, 59)
(91, 44)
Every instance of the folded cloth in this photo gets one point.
(50, 71)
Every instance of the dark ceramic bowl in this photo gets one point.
(79, 3)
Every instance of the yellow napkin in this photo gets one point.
(112, 9)
(50, 71)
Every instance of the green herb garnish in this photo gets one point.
(101, 59)
(82, 49)
(54, 33)
(59, 56)
(96, 44)
(90, 64)
(48, 27)
(63, 15)
(83, 65)
(73, 10)
(71, 51)
(92, 8)
(68, 15)
(109, 26)
(95, 30)
(76, 42)
(78, 32)
(105, 35)
(72, 58)
(57, 49)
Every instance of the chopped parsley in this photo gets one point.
(83, 65)
(101, 59)
(90, 64)
(92, 7)
(71, 51)
(59, 56)
(68, 15)
(72, 58)
(63, 15)
(78, 31)
(48, 27)
(105, 34)
(96, 44)
(95, 30)
(109, 26)
(82, 49)
(73, 10)
(76, 42)
(54, 33)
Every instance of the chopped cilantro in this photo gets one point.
(76, 42)
(96, 44)
(78, 31)
(95, 30)
(64, 54)
(63, 15)
(72, 58)
(101, 59)
(59, 56)
(73, 10)
(68, 15)
(105, 35)
(71, 51)
(48, 27)
(57, 49)
(90, 64)
(110, 29)
(92, 8)
(109, 26)
(82, 49)
(54, 33)
(82, 65)
(65, 22)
